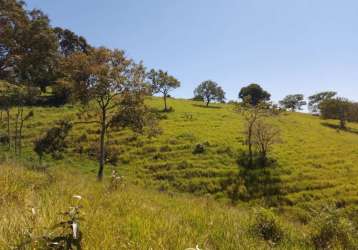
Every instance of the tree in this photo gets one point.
(210, 91)
(163, 83)
(13, 96)
(19, 98)
(264, 136)
(316, 99)
(293, 102)
(254, 94)
(28, 46)
(13, 23)
(103, 77)
(337, 108)
(252, 114)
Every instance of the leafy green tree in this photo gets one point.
(254, 94)
(28, 46)
(13, 22)
(316, 99)
(293, 102)
(210, 91)
(337, 108)
(104, 76)
(163, 83)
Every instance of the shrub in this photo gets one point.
(54, 141)
(199, 149)
(61, 92)
(267, 226)
(165, 148)
(4, 139)
(332, 231)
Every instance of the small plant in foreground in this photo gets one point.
(333, 231)
(267, 226)
(116, 181)
(65, 235)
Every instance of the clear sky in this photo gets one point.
(287, 46)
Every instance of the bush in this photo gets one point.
(54, 141)
(267, 226)
(332, 231)
(61, 92)
(165, 148)
(4, 139)
(199, 149)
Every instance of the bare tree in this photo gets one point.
(251, 114)
(264, 136)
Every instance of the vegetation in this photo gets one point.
(163, 83)
(254, 94)
(209, 91)
(239, 174)
(316, 99)
(293, 102)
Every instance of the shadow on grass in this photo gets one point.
(256, 183)
(338, 129)
(208, 107)
(262, 183)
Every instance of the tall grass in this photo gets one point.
(129, 218)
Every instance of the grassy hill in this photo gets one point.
(316, 167)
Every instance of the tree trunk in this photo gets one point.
(342, 124)
(165, 103)
(102, 145)
(16, 131)
(20, 133)
(250, 146)
(8, 127)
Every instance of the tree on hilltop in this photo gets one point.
(254, 94)
(316, 99)
(293, 102)
(163, 83)
(209, 91)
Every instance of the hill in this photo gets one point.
(316, 167)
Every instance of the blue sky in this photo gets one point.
(287, 46)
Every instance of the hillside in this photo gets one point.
(316, 167)
(314, 160)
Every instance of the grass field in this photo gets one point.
(316, 166)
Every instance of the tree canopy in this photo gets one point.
(293, 102)
(254, 94)
(209, 91)
(316, 99)
(164, 83)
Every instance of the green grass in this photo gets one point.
(316, 165)
(129, 218)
